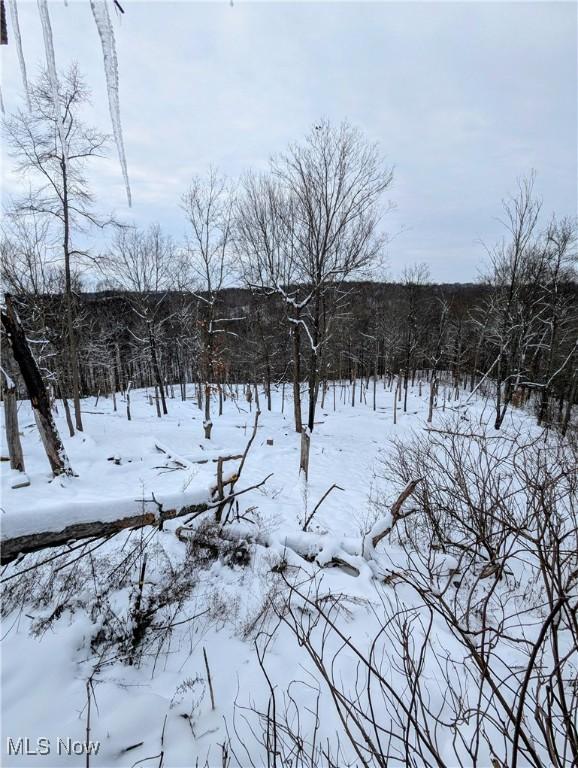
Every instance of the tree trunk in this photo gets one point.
(296, 335)
(67, 414)
(36, 391)
(304, 458)
(543, 408)
(72, 348)
(157, 370)
(268, 383)
(113, 389)
(312, 390)
(498, 420)
(432, 393)
(569, 403)
(405, 388)
(375, 365)
(128, 416)
(257, 404)
(353, 380)
(208, 424)
(120, 377)
(11, 424)
(12, 548)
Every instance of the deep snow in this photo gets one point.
(163, 705)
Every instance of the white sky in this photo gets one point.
(462, 97)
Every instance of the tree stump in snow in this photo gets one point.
(11, 424)
(304, 459)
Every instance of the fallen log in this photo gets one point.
(186, 463)
(11, 549)
(215, 460)
(384, 526)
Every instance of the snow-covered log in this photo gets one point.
(352, 555)
(10, 549)
(385, 525)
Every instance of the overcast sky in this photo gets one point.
(463, 98)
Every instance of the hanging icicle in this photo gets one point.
(52, 74)
(106, 32)
(19, 49)
(49, 47)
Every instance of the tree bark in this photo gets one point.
(296, 335)
(156, 369)
(304, 458)
(67, 413)
(569, 403)
(20, 545)
(72, 348)
(432, 394)
(207, 424)
(11, 424)
(36, 391)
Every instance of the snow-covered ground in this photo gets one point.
(60, 675)
(343, 447)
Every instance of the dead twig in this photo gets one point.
(209, 678)
(319, 503)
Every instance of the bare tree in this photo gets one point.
(559, 332)
(267, 246)
(335, 180)
(414, 279)
(52, 146)
(514, 268)
(208, 205)
(142, 263)
(32, 271)
(436, 354)
(310, 227)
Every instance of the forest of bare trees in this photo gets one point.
(279, 305)
(271, 284)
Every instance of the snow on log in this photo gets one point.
(172, 456)
(11, 548)
(385, 525)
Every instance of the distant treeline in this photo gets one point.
(380, 329)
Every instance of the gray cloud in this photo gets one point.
(462, 97)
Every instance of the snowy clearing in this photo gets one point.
(86, 678)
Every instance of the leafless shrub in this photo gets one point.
(209, 542)
(133, 610)
(482, 668)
